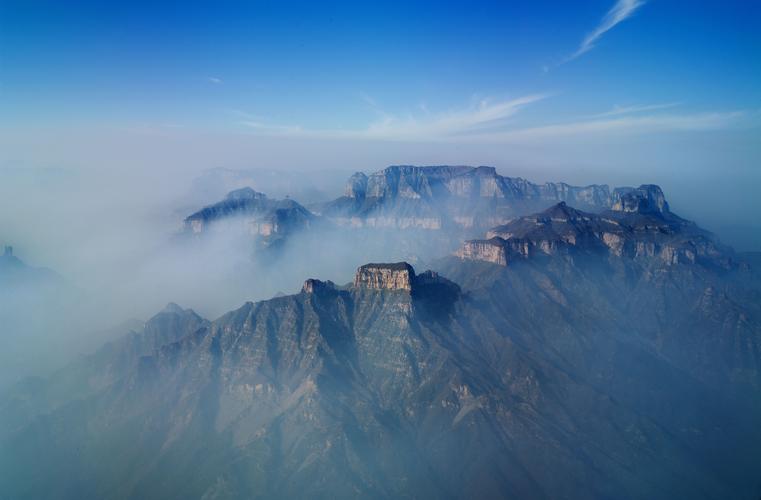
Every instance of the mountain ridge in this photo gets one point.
(361, 389)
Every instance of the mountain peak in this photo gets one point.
(562, 211)
(172, 308)
(315, 286)
(245, 193)
(356, 186)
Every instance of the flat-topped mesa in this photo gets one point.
(394, 276)
(648, 198)
(316, 286)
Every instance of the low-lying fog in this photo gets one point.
(110, 232)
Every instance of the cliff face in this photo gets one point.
(647, 198)
(468, 198)
(398, 276)
(492, 250)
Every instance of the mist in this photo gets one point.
(103, 209)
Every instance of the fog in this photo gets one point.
(104, 209)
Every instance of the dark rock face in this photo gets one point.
(316, 286)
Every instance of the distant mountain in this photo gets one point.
(15, 274)
(249, 212)
(639, 226)
(435, 207)
(547, 378)
(32, 300)
(462, 198)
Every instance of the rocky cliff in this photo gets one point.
(492, 250)
(638, 227)
(647, 198)
(468, 198)
(316, 286)
(397, 276)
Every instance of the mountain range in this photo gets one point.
(407, 197)
(599, 346)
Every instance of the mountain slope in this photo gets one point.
(533, 380)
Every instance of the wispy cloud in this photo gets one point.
(487, 123)
(276, 129)
(627, 110)
(428, 126)
(627, 125)
(214, 80)
(619, 12)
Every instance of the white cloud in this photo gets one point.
(627, 110)
(429, 126)
(214, 80)
(619, 12)
(486, 123)
(631, 125)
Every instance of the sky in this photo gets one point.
(608, 91)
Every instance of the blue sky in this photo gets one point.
(622, 92)
(430, 71)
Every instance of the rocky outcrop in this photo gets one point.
(648, 198)
(397, 276)
(401, 276)
(316, 286)
(492, 250)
